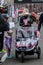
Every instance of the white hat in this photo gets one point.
(25, 12)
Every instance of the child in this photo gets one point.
(8, 41)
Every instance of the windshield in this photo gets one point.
(25, 33)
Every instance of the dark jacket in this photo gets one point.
(40, 21)
(4, 26)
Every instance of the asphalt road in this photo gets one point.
(29, 60)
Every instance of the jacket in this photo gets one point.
(4, 26)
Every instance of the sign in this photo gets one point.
(28, 1)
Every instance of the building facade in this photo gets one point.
(31, 6)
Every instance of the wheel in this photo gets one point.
(39, 52)
(22, 57)
(0, 61)
(16, 55)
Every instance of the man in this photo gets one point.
(39, 25)
(4, 26)
(25, 21)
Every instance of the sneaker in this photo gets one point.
(3, 50)
(10, 57)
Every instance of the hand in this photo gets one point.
(10, 31)
(38, 33)
(37, 21)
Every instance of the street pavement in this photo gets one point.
(29, 60)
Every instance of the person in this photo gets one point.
(8, 42)
(40, 23)
(25, 20)
(4, 26)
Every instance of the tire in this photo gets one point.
(16, 55)
(22, 57)
(37, 43)
(39, 52)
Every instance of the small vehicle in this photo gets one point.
(26, 43)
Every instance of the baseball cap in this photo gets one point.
(5, 15)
